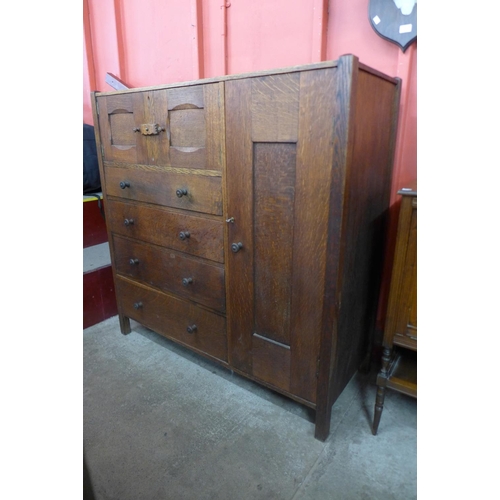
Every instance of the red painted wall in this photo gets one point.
(164, 41)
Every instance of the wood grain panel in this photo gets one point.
(369, 167)
(119, 103)
(166, 269)
(314, 159)
(345, 78)
(160, 185)
(214, 121)
(116, 123)
(121, 125)
(151, 107)
(275, 108)
(402, 310)
(408, 324)
(171, 316)
(163, 227)
(271, 362)
(239, 267)
(185, 97)
(187, 128)
(188, 157)
(273, 198)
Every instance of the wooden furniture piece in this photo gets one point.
(246, 217)
(399, 358)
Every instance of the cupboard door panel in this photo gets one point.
(133, 127)
(196, 126)
(274, 193)
(279, 161)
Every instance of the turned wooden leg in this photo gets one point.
(379, 406)
(381, 381)
(124, 324)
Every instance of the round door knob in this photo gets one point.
(236, 247)
(181, 192)
(187, 281)
(133, 262)
(129, 222)
(137, 305)
(124, 184)
(184, 235)
(191, 328)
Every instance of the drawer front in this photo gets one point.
(193, 235)
(165, 186)
(171, 271)
(174, 318)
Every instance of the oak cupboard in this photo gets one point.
(246, 218)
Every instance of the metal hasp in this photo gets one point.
(149, 129)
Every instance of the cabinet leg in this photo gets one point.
(381, 380)
(322, 426)
(124, 324)
(379, 406)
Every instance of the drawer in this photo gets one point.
(174, 318)
(175, 272)
(177, 188)
(193, 235)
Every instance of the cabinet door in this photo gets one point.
(279, 154)
(180, 127)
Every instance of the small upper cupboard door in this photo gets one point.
(179, 127)
(133, 127)
(279, 150)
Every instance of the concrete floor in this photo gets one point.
(163, 423)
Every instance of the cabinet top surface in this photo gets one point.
(409, 189)
(276, 71)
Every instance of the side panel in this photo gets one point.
(368, 186)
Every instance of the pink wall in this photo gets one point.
(164, 41)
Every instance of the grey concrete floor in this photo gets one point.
(163, 423)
